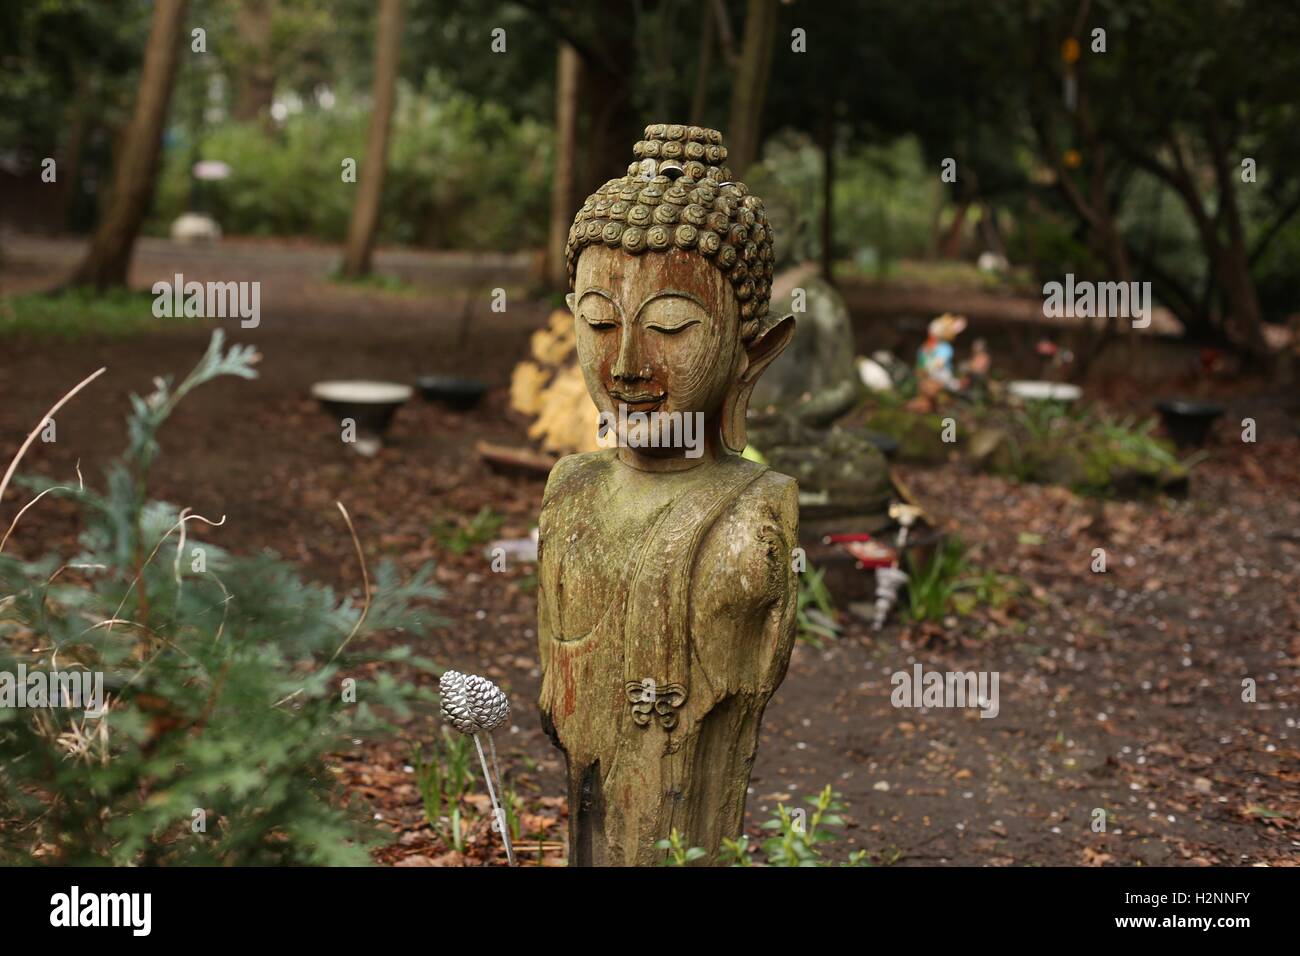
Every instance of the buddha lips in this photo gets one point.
(653, 429)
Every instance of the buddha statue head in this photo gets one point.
(671, 270)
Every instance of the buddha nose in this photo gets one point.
(628, 365)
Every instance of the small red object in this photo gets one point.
(868, 552)
(1209, 360)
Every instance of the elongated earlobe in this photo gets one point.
(769, 342)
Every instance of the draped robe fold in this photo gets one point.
(655, 667)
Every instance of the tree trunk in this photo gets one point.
(703, 66)
(828, 193)
(990, 231)
(1112, 250)
(109, 258)
(1095, 210)
(566, 153)
(609, 122)
(950, 244)
(749, 89)
(78, 126)
(1245, 324)
(370, 187)
(257, 77)
(1241, 300)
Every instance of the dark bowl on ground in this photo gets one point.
(886, 444)
(452, 391)
(370, 404)
(1188, 421)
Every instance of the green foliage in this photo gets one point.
(1092, 454)
(987, 588)
(374, 280)
(444, 780)
(798, 835)
(1047, 442)
(287, 184)
(227, 683)
(795, 842)
(467, 174)
(66, 60)
(79, 313)
(736, 852)
(458, 535)
(676, 851)
(512, 804)
(460, 173)
(1278, 280)
(919, 437)
(934, 581)
(884, 198)
(815, 609)
(946, 583)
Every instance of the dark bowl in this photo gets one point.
(452, 391)
(887, 445)
(1188, 421)
(370, 404)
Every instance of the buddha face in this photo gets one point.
(657, 332)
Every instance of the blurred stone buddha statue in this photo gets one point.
(666, 594)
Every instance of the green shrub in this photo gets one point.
(933, 581)
(1072, 445)
(460, 174)
(919, 437)
(677, 853)
(79, 313)
(444, 780)
(794, 843)
(798, 835)
(1091, 454)
(288, 183)
(227, 684)
(815, 609)
(459, 535)
(884, 200)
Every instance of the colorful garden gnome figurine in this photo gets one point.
(666, 595)
(934, 362)
(935, 359)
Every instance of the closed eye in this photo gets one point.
(599, 323)
(671, 313)
(667, 329)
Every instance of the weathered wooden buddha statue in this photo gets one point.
(667, 596)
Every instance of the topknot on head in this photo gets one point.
(678, 194)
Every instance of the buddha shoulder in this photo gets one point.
(578, 474)
(750, 545)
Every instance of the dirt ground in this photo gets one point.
(1119, 691)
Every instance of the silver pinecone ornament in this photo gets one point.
(475, 705)
(471, 703)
